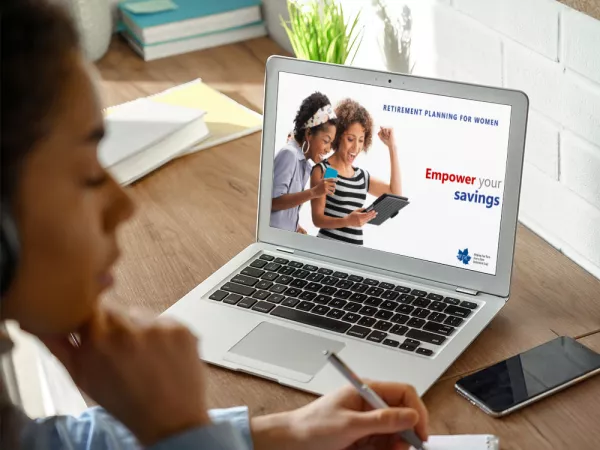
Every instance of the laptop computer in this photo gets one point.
(408, 301)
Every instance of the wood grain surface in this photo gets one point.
(199, 211)
(589, 7)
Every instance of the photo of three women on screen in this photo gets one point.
(337, 204)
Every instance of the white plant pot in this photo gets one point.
(93, 19)
(272, 12)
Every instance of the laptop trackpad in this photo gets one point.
(282, 352)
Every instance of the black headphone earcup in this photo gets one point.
(9, 243)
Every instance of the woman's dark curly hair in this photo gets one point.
(349, 112)
(37, 38)
(310, 105)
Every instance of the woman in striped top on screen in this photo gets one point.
(341, 216)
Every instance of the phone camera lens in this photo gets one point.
(389, 81)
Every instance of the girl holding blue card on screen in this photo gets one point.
(314, 131)
(340, 215)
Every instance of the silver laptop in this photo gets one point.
(404, 304)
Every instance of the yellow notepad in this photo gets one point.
(225, 118)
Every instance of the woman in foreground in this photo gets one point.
(60, 216)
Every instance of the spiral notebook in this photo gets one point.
(463, 442)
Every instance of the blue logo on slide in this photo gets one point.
(463, 256)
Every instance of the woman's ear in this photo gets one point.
(307, 134)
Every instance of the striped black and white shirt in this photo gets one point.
(350, 194)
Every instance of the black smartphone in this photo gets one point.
(530, 376)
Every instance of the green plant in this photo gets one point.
(318, 31)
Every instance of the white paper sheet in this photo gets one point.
(463, 442)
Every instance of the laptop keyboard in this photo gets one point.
(395, 316)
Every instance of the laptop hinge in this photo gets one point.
(285, 250)
(466, 291)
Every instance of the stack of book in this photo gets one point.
(147, 133)
(160, 28)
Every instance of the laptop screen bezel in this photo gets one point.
(498, 284)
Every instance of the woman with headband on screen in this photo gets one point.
(314, 131)
(340, 215)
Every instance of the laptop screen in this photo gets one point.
(434, 164)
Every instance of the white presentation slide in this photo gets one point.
(452, 155)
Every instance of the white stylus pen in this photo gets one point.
(371, 397)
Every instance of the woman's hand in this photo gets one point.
(301, 230)
(325, 187)
(387, 137)
(147, 373)
(358, 217)
(343, 420)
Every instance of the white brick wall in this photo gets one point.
(553, 54)
(566, 97)
(541, 149)
(561, 217)
(539, 77)
(581, 34)
(581, 106)
(534, 23)
(580, 167)
(475, 49)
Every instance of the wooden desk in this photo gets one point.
(199, 211)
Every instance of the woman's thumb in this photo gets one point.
(386, 421)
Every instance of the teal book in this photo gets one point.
(160, 21)
(186, 9)
(195, 42)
